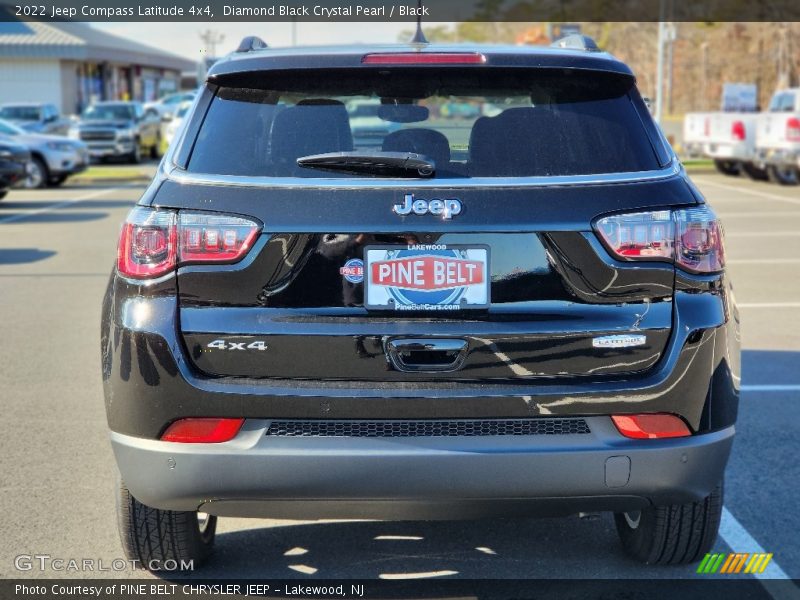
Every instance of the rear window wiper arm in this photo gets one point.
(386, 164)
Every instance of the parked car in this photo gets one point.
(168, 105)
(365, 123)
(119, 130)
(460, 110)
(728, 138)
(13, 160)
(299, 328)
(170, 129)
(778, 137)
(53, 157)
(36, 117)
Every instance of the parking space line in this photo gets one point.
(768, 305)
(52, 207)
(758, 214)
(744, 190)
(771, 387)
(762, 234)
(762, 261)
(740, 540)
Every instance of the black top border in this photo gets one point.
(400, 10)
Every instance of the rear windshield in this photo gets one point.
(108, 112)
(498, 123)
(20, 113)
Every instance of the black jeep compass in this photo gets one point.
(511, 301)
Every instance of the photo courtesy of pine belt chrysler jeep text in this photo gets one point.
(516, 308)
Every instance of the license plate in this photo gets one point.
(426, 277)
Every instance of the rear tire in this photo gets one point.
(675, 534)
(727, 167)
(155, 151)
(153, 536)
(783, 175)
(753, 172)
(3, 194)
(135, 157)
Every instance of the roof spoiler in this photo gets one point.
(250, 43)
(576, 41)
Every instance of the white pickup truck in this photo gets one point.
(762, 145)
(778, 138)
(729, 138)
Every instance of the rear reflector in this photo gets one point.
(651, 426)
(424, 58)
(202, 431)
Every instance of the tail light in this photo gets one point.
(793, 129)
(148, 245)
(154, 242)
(737, 131)
(651, 426)
(424, 58)
(202, 430)
(691, 238)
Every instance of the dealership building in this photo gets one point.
(73, 64)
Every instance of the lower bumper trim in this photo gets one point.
(421, 477)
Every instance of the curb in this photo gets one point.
(109, 180)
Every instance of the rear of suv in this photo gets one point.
(521, 310)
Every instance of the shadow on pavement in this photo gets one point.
(90, 203)
(52, 217)
(487, 549)
(18, 256)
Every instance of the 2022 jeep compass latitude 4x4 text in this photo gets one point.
(517, 311)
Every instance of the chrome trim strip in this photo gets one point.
(174, 174)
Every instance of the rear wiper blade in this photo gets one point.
(386, 164)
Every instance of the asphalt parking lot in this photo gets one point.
(56, 251)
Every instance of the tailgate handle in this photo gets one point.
(426, 354)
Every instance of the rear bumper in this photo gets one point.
(110, 148)
(779, 157)
(729, 151)
(256, 475)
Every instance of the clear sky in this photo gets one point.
(184, 38)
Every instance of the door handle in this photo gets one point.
(426, 354)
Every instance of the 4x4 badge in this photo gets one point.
(447, 208)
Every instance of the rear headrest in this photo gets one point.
(518, 141)
(313, 126)
(429, 142)
(546, 140)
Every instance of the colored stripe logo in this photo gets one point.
(734, 563)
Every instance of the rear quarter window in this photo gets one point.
(496, 123)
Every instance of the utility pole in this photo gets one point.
(666, 33)
(785, 59)
(704, 76)
(210, 39)
(671, 37)
(662, 36)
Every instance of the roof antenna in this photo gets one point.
(419, 37)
